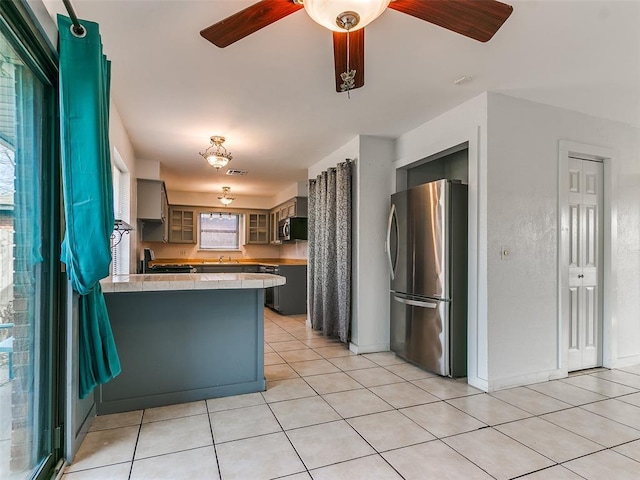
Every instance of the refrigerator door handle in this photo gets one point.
(392, 214)
(415, 303)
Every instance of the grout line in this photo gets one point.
(446, 401)
(213, 441)
(547, 468)
(605, 417)
(285, 326)
(135, 447)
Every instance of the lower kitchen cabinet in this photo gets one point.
(226, 268)
(290, 298)
(219, 268)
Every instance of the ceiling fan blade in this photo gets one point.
(248, 21)
(477, 19)
(356, 57)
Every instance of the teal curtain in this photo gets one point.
(88, 194)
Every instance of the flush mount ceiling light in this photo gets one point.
(216, 154)
(224, 199)
(344, 15)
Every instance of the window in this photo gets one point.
(121, 186)
(29, 253)
(219, 231)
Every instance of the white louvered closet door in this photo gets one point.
(585, 258)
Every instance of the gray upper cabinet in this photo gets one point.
(257, 228)
(182, 225)
(296, 207)
(299, 207)
(152, 210)
(152, 200)
(274, 217)
(154, 231)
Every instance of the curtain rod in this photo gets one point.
(77, 29)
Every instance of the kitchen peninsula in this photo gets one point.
(184, 337)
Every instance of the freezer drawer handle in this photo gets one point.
(416, 303)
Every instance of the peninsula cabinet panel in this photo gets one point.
(183, 346)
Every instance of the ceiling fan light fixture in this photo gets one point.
(216, 155)
(339, 15)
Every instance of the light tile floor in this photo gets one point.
(330, 415)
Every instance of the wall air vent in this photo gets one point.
(235, 171)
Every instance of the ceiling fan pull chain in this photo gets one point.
(348, 77)
(349, 85)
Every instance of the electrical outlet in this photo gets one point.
(183, 253)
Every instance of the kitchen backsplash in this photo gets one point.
(296, 250)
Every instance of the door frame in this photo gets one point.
(608, 263)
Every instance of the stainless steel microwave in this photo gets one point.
(292, 228)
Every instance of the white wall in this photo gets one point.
(522, 207)
(119, 139)
(513, 201)
(349, 150)
(465, 123)
(371, 191)
(149, 169)
(372, 200)
(203, 199)
(298, 250)
(298, 189)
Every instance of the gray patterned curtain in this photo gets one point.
(330, 251)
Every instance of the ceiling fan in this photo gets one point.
(476, 19)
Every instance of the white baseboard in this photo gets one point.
(624, 362)
(521, 380)
(360, 349)
(478, 383)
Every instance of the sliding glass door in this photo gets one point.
(29, 267)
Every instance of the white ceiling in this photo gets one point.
(273, 96)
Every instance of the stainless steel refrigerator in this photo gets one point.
(427, 252)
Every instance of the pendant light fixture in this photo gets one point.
(216, 155)
(224, 199)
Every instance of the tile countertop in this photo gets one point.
(234, 261)
(189, 281)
